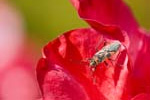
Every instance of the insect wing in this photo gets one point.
(113, 47)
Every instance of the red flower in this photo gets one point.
(61, 75)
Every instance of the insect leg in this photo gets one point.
(117, 63)
(75, 61)
(105, 63)
(116, 59)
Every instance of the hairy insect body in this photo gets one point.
(105, 53)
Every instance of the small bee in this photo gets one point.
(105, 53)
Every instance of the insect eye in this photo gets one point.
(92, 63)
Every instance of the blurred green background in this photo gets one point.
(46, 19)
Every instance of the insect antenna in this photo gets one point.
(103, 42)
(81, 62)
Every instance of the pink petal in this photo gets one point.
(11, 34)
(17, 75)
(18, 82)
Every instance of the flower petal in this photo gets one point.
(58, 84)
(17, 78)
(140, 78)
(108, 12)
(61, 67)
(11, 34)
(141, 96)
(111, 13)
(18, 82)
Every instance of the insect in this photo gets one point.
(105, 53)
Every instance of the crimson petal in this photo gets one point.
(111, 13)
(108, 12)
(140, 78)
(60, 70)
